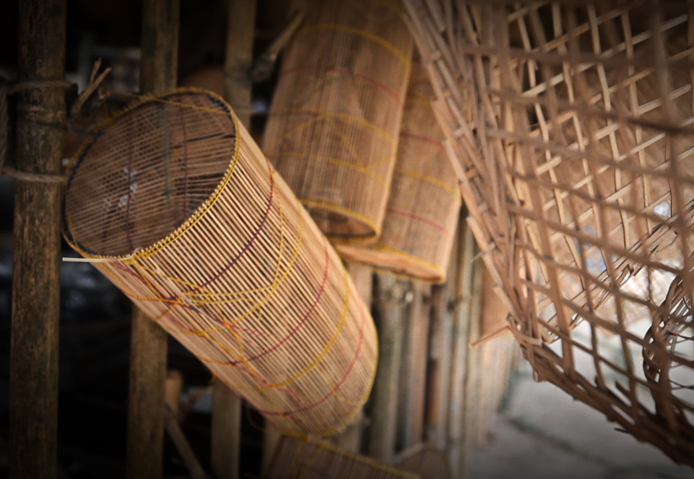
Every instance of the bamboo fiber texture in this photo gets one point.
(424, 203)
(301, 459)
(333, 126)
(177, 206)
(426, 461)
(575, 120)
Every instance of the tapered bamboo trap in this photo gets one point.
(573, 127)
(426, 461)
(177, 206)
(424, 202)
(333, 126)
(295, 458)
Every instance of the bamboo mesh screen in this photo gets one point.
(426, 461)
(333, 126)
(424, 202)
(295, 458)
(573, 128)
(177, 206)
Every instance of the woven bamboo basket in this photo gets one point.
(426, 461)
(573, 127)
(333, 126)
(295, 458)
(424, 203)
(177, 206)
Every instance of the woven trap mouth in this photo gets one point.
(138, 180)
(184, 214)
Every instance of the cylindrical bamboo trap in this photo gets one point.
(426, 461)
(333, 126)
(424, 202)
(295, 458)
(581, 192)
(175, 204)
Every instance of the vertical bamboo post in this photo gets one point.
(413, 367)
(383, 428)
(227, 408)
(148, 348)
(36, 280)
(423, 316)
(226, 433)
(350, 438)
(462, 280)
(472, 407)
(438, 368)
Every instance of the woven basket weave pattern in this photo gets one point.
(424, 202)
(208, 240)
(576, 150)
(336, 112)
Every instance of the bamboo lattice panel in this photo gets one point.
(572, 123)
(424, 203)
(177, 206)
(333, 127)
(295, 458)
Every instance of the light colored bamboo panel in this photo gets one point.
(424, 203)
(178, 207)
(333, 127)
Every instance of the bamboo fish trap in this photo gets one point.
(424, 203)
(295, 458)
(333, 126)
(573, 126)
(177, 206)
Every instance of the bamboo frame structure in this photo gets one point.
(177, 206)
(332, 130)
(571, 127)
(424, 202)
(296, 458)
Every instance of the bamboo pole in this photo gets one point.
(382, 432)
(148, 348)
(438, 370)
(463, 279)
(413, 367)
(423, 315)
(473, 409)
(226, 432)
(350, 439)
(36, 280)
(226, 407)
